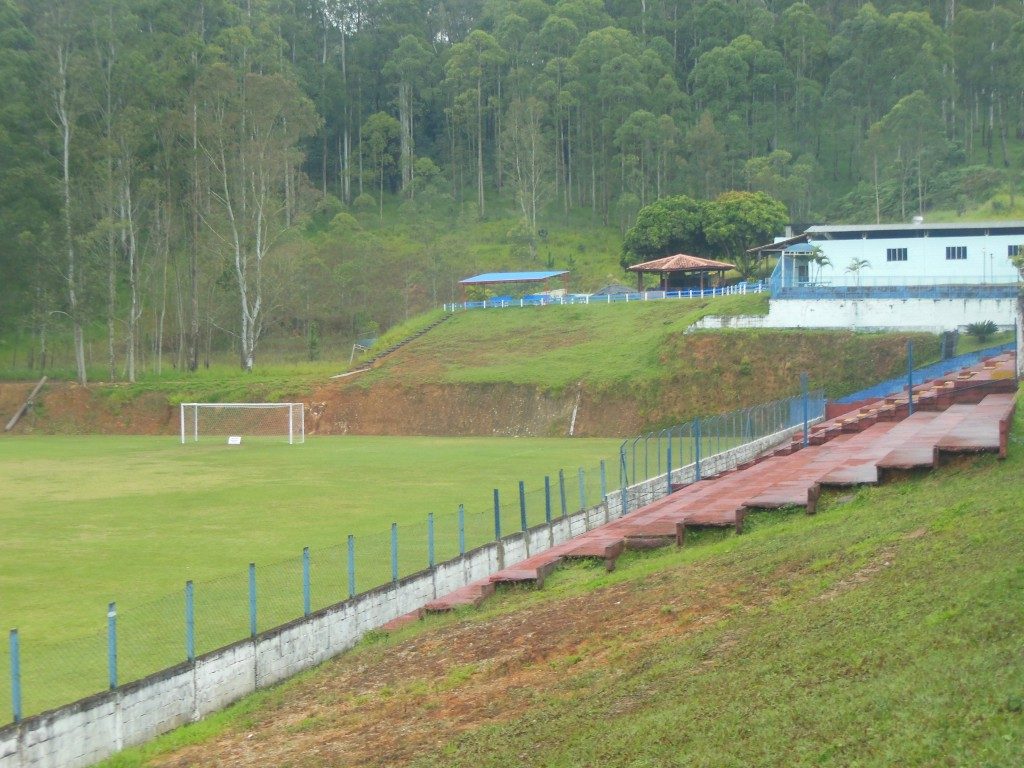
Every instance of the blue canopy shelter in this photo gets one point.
(512, 278)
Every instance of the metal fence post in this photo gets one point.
(604, 481)
(351, 566)
(497, 515)
(910, 378)
(622, 479)
(252, 599)
(583, 489)
(430, 539)
(696, 447)
(462, 530)
(668, 464)
(522, 507)
(561, 492)
(306, 597)
(547, 499)
(394, 552)
(112, 645)
(190, 622)
(804, 394)
(15, 647)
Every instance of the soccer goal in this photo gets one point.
(266, 421)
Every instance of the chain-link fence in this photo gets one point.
(207, 615)
(655, 453)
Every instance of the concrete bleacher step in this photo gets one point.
(471, 595)
(409, 618)
(531, 571)
(599, 548)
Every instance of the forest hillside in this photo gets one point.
(187, 180)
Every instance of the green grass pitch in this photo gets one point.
(89, 520)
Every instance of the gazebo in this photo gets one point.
(680, 264)
(512, 278)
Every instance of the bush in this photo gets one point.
(982, 331)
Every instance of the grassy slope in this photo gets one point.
(883, 631)
(641, 350)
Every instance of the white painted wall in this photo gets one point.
(94, 728)
(987, 260)
(930, 315)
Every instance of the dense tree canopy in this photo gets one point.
(150, 150)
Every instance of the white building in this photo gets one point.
(929, 277)
(884, 256)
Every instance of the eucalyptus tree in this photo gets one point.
(471, 71)
(411, 64)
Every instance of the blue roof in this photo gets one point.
(799, 248)
(510, 277)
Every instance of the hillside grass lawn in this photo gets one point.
(92, 519)
(885, 630)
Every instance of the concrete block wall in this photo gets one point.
(94, 728)
(928, 315)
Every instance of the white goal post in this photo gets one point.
(276, 421)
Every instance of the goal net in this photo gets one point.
(283, 422)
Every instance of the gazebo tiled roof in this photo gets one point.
(681, 262)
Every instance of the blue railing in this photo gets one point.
(924, 373)
(542, 300)
(649, 454)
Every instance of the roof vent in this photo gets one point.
(918, 220)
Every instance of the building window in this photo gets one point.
(956, 252)
(895, 254)
(1012, 250)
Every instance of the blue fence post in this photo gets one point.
(351, 566)
(306, 597)
(561, 492)
(583, 489)
(668, 466)
(112, 645)
(910, 378)
(547, 499)
(696, 447)
(190, 621)
(462, 529)
(622, 479)
(497, 515)
(15, 647)
(522, 507)
(430, 539)
(604, 481)
(394, 552)
(804, 393)
(252, 599)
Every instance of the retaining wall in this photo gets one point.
(929, 315)
(96, 727)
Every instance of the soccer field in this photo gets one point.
(89, 520)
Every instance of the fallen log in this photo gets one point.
(25, 406)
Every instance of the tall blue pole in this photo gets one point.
(351, 566)
(394, 551)
(804, 393)
(112, 645)
(583, 489)
(15, 675)
(668, 474)
(497, 515)
(623, 481)
(696, 448)
(523, 525)
(604, 480)
(462, 529)
(430, 539)
(307, 603)
(910, 377)
(252, 600)
(190, 621)
(561, 492)
(547, 498)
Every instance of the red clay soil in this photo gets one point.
(389, 704)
